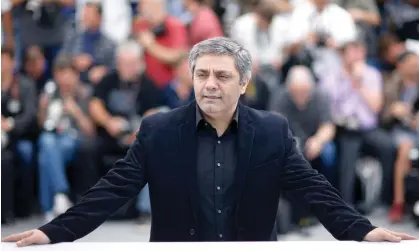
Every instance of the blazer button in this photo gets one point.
(192, 231)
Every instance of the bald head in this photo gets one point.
(300, 83)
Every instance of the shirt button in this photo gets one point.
(219, 142)
(218, 164)
(220, 235)
(218, 188)
(219, 211)
(192, 231)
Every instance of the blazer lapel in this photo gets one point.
(244, 146)
(188, 145)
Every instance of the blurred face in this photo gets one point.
(91, 16)
(66, 79)
(35, 66)
(149, 8)
(410, 67)
(182, 72)
(128, 66)
(300, 93)
(394, 51)
(7, 64)
(353, 53)
(216, 83)
(321, 4)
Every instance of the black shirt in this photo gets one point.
(127, 99)
(216, 162)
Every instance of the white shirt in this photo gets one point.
(334, 20)
(264, 49)
(116, 18)
(6, 5)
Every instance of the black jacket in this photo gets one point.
(164, 155)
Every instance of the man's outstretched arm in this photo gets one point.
(311, 189)
(112, 191)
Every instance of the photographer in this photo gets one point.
(67, 133)
(401, 93)
(308, 112)
(18, 130)
(121, 99)
(356, 96)
(164, 39)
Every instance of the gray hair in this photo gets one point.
(131, 47)
(299, 74)
(224, 46)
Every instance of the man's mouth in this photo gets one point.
(212, 97)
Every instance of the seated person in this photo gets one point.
(180, 90)
(400, 94)
(67, 128)
(163, 38)
(18, 128)
(355, 90)
(308, 113)
(92, 50)
(121, 99)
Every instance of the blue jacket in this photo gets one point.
(164, 156)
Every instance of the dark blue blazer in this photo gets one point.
(164, 156)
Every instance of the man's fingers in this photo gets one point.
(17, 237)
(27, 241)
(403, 236)
(388, 236)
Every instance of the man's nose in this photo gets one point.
(211, 83)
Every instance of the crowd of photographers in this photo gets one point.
(78, 76)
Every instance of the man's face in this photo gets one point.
(353, 53)
(91, 17)
(36, 62)
(148, 8)
(128, 65)
(66, 79)
(321, 4)
(216, 84)
(7, 64)
(300, 93)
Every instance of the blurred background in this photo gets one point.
(78, 76)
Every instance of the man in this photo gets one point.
(122, 98)
(18, 126)
(203, 186)
(355, 90)
(66, 136)
(308, 112)
(399, 113)
(164, 39)
(92, 50)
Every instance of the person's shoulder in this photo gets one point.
(165, 120)
(266, 120)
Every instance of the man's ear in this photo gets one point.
(243, 87)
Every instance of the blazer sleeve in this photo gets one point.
(311, 189)
(123, 182)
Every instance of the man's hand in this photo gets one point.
(381, 234)
(313, 148)
(71, 106)
(97, 73)
(6, 125)
(115, 126)
(145, 38)
(28, 238)
(83, 62)
(400, 110)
